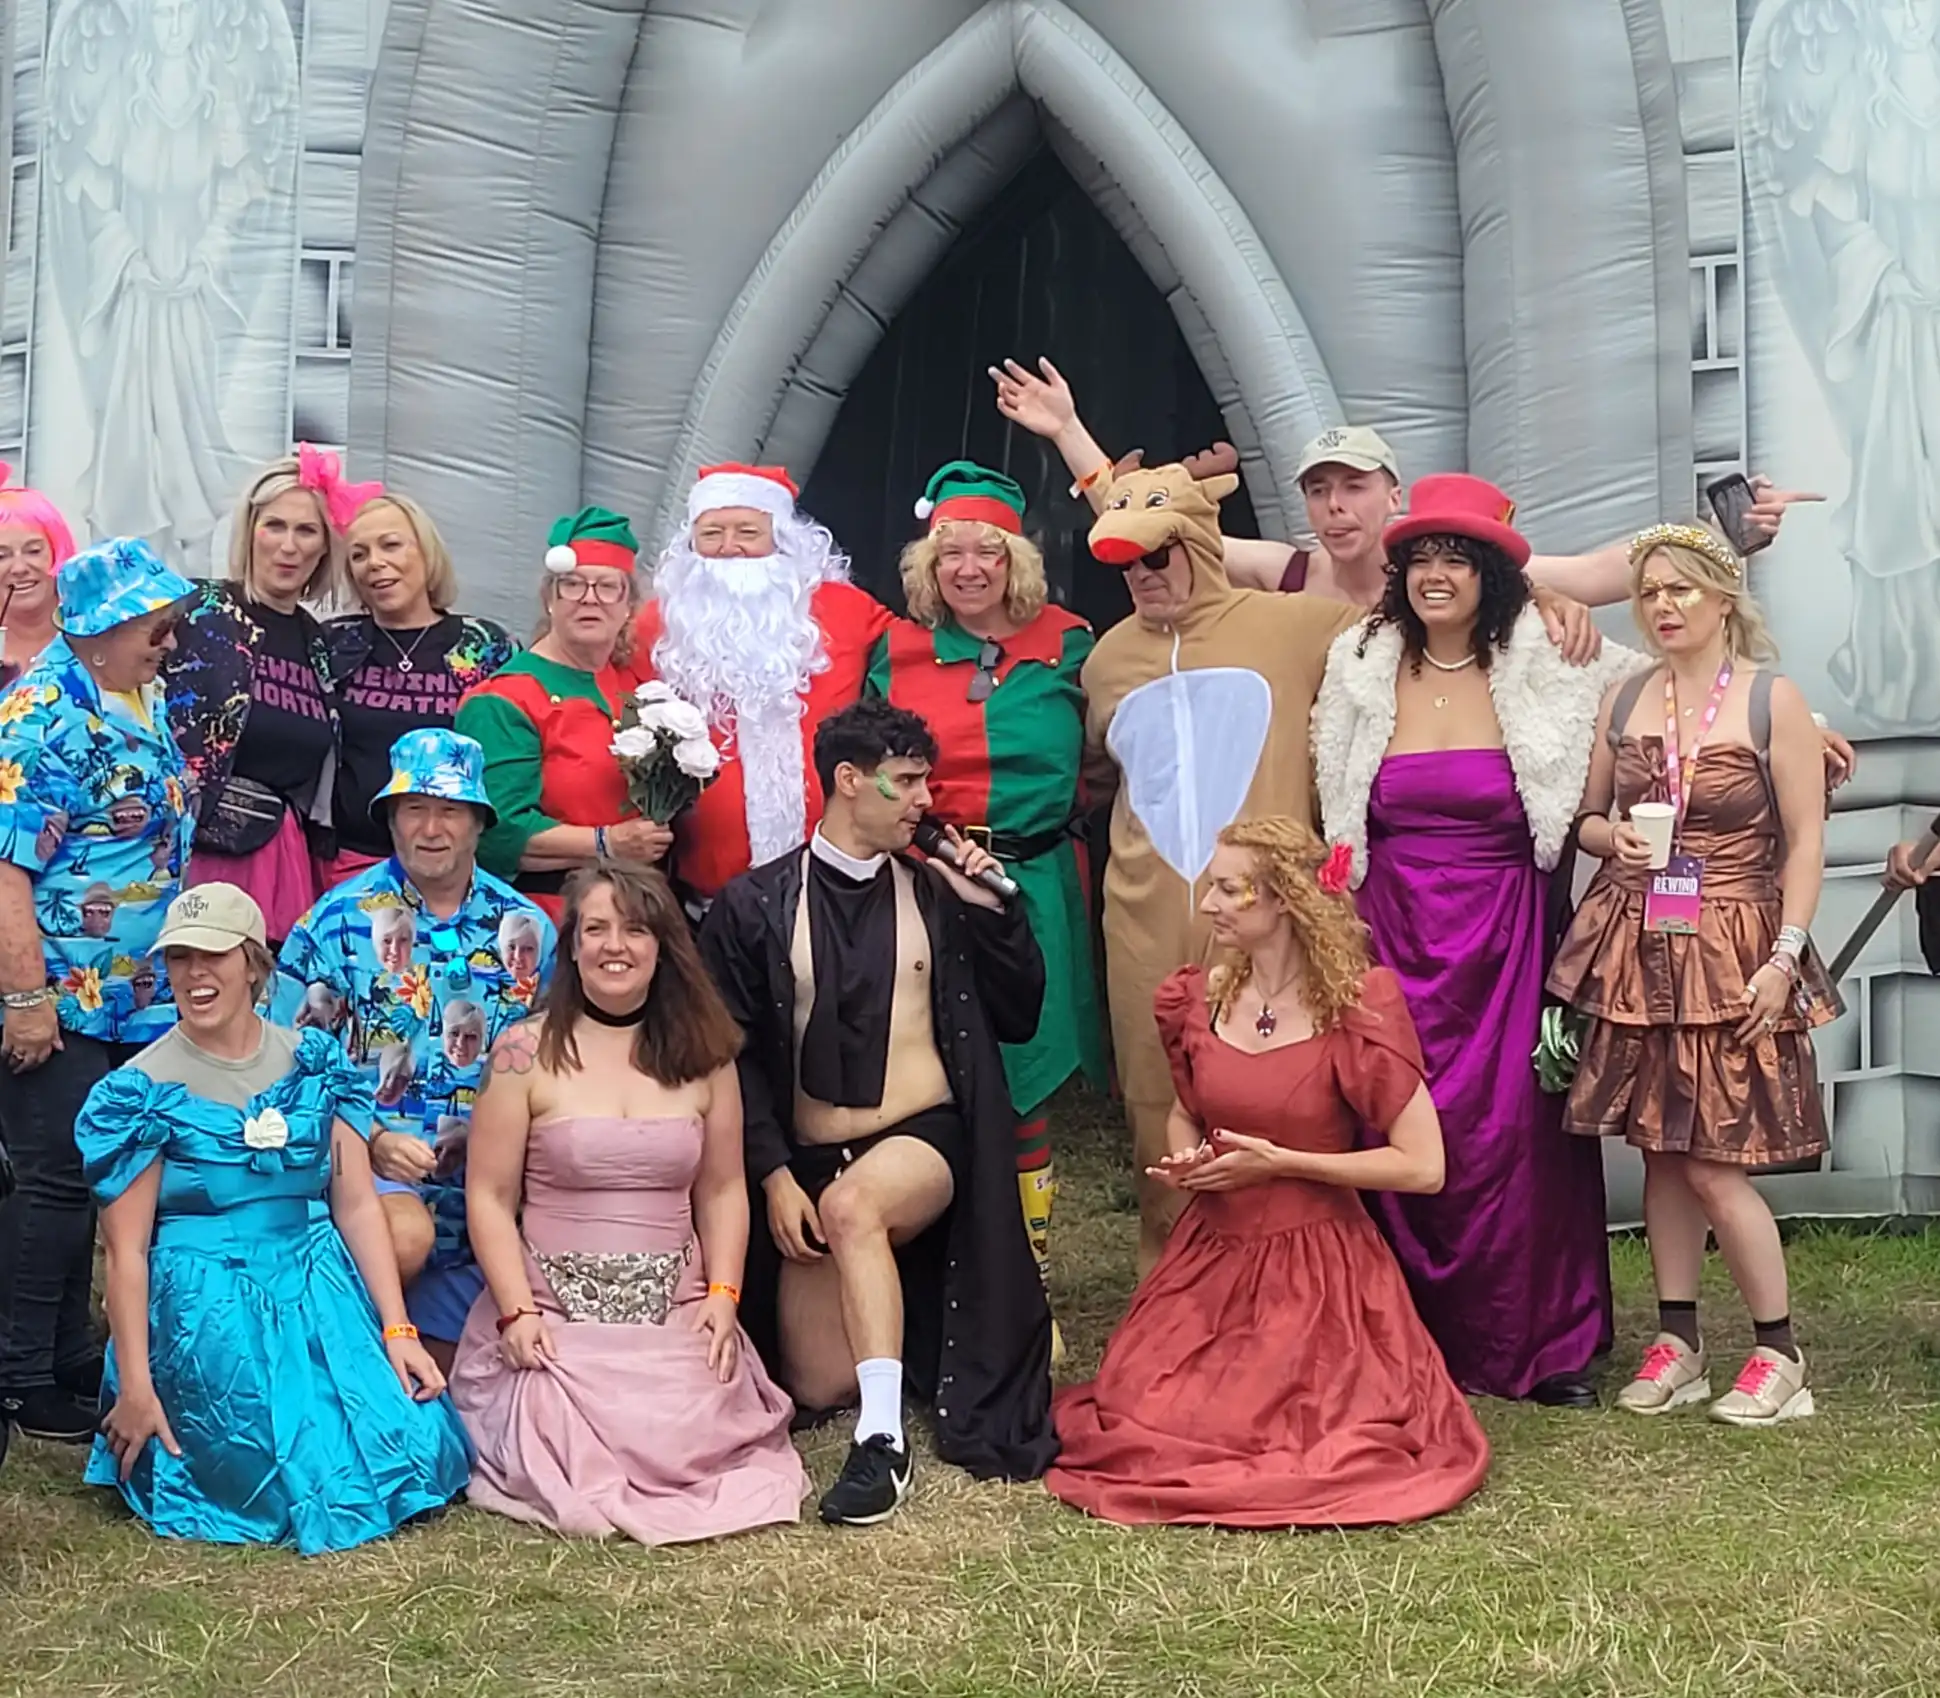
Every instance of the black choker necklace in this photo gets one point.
(600, 1017)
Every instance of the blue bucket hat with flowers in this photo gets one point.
(113, 582)
(435, 762)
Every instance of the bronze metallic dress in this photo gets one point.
(1662, 1064)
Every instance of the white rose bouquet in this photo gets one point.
(664, 749)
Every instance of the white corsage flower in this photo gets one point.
(697, 757)
(655, 691)
(634, 743)
(266, 1131)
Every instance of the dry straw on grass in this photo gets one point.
(1607, 1556)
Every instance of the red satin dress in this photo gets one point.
(1272, 1371)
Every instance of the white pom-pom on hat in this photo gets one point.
(560, 558)
(924, 507)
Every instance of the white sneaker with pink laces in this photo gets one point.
(1672, 1376)
(1771, 1388)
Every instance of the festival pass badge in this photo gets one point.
(1675, 897)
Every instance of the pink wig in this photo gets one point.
(30, 507)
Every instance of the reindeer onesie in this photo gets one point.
(1189, 726)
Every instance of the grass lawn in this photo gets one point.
(1607, 1555)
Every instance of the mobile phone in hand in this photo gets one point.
(1732, 500)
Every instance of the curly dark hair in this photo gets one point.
(1505, 593)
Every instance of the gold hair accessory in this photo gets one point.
(1694, 537)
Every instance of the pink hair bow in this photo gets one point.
(1337, 871)
(322, 471)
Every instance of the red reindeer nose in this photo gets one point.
(1121, 552)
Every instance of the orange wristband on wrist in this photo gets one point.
(731, 1292)
(403, 1330)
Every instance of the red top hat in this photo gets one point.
(1455, 504)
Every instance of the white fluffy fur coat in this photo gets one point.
(1546, 707)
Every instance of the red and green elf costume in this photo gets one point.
(547, 729)
(1008, 718)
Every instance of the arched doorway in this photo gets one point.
(1040, 271)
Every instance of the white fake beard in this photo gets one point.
(739, 640)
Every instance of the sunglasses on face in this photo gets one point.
(983, 681)
(606, 592)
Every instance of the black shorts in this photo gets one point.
(817, 1166)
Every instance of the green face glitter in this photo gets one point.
(885, 789)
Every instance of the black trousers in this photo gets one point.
(47, 1225)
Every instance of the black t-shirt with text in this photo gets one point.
(287, 737)
(377, 704)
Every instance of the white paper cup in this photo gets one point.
(1656, 820)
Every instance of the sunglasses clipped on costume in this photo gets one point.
(1680, 595)
(983, 682)
(607, 592)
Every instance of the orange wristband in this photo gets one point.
(404, 1330)
(731, 1292)
(1084, 483)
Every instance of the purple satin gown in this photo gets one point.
(1508, 1264)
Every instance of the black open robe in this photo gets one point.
(977, 1328)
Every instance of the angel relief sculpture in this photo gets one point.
(1841, 121)
(171, 159)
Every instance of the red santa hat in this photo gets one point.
(767, 489)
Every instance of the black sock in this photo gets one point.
(1776, 1335)
(1679, 1320)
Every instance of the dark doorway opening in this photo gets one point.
(1041, 271)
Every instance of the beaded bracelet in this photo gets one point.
(403, 1329)
(505, 1322)
(731, 1292)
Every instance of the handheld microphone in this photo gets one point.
(930, 839)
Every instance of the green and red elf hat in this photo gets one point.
(594, 536)
(965, 490)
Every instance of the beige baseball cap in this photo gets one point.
(1349, 445)
(215, 918)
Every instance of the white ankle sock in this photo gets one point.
(881, 1382)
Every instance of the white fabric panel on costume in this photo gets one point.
(1188, 745)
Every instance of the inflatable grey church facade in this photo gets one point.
(1599, 252)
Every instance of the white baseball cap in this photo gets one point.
(1349, 445)
(214, 918)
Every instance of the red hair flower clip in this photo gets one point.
(1337, 871)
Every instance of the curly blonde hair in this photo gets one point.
(1287, 856)
(1025, 588)
(1746, 635)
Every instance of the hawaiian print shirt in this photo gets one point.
(94, 808)
(417, 1002)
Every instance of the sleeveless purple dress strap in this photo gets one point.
(1294, 578)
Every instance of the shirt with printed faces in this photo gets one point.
(94, 808)
(417, 1001)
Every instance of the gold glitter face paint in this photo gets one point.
(1247, 896)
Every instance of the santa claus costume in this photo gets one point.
(767, 647)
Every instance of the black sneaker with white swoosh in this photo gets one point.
(873, 1482)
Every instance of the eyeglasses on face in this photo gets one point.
(605, 591)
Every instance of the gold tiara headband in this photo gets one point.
(1694, 537)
